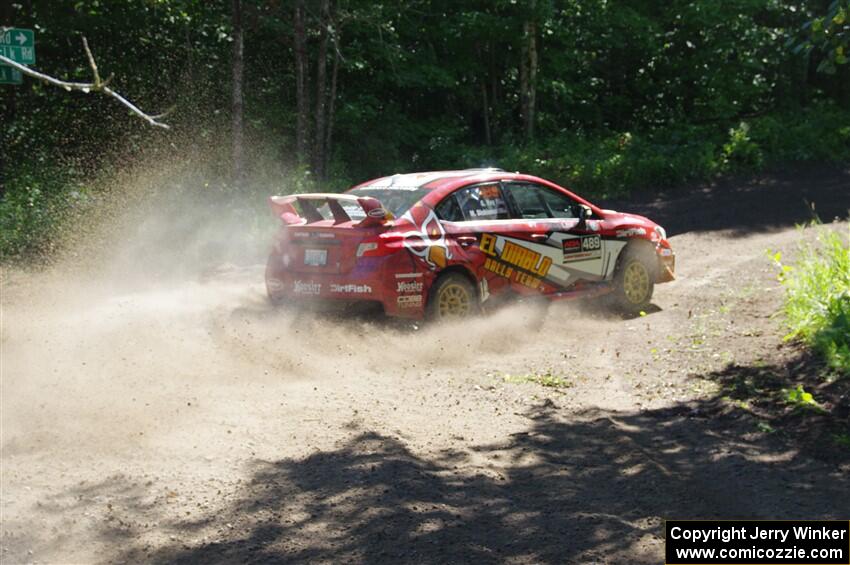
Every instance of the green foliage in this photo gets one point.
(629, 94)
(829, 34)
(616, 163)
(741, 152)
(817, 303)
(799, 398)
(40, 198)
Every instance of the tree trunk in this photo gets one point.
(532, 80)
(331, 101)
(321, 96)
(301, 125)
(237, 108)
(523, 80)
(528, 77)
(485, 108)
(494, 91)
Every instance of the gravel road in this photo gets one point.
(188, 421)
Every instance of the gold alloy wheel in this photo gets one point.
(636, 282)
(454, 301)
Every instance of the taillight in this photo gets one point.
(381, 245)
(364, 248)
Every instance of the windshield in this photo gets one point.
(397, 201)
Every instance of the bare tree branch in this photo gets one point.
(92, 64)
(87, 87)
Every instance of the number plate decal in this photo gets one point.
(315, 257)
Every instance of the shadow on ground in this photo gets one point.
(820, 429)
(594, 487)
(763, 203)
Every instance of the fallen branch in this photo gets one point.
(97, 86)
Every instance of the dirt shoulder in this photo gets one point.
(192, 423)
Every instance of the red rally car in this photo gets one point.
(446, 244)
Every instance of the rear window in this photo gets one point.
(397, 201)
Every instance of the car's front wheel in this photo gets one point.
(634, 282)
(453, 297)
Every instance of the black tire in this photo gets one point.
(634, 281)
(275, 296)
(452, 297)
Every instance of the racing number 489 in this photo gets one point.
(591, 243)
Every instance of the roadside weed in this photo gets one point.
(817, 297)
(799, 398)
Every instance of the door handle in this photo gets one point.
(466, 240)
(539, 236)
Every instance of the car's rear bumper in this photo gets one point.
(373, 280)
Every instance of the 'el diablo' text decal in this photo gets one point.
(515, 262)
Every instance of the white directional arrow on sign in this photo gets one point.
(21, 38)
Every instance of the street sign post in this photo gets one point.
(8, 75)
(19, 45)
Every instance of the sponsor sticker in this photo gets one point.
(631, 232)
(320, 235)
(409, 301)
(582, 248)
(406, 287)
(306, 287)
(274, 285)
(351, 288)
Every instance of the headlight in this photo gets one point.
(662, 233)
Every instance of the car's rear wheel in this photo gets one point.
(634, 281)
(274, 286)
(453, 297)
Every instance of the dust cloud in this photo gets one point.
(162, 301)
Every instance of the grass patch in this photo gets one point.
(817, 299)
(546, 379)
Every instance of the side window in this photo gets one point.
(561, 205)
(449, 210)
(482, 202)
(535, 201)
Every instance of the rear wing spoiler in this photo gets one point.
(309, 204)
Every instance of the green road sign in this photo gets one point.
(8, 75)
(18, 44)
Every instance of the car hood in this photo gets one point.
(618, 219)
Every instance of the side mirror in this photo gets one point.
(584, 212)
